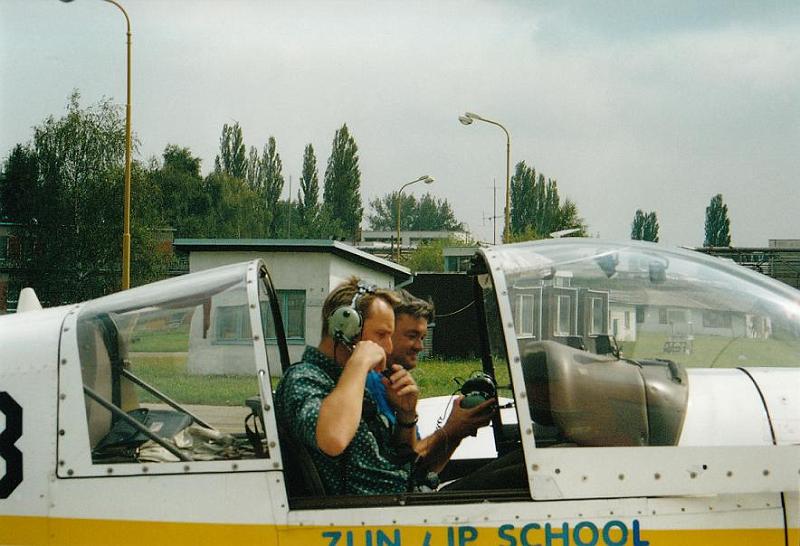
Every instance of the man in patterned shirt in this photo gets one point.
(323, 403)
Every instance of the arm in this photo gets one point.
(340, 411)
(436, 449)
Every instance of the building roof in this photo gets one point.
(338, 248)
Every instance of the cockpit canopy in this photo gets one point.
(648, 301)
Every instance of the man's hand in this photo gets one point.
(368, 355)
(464, 422)
(402, 393)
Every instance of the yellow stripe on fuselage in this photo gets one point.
(28, 530)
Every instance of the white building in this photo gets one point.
(303, 273)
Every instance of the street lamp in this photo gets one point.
(467, 119)
(428, 180)
(126, 233)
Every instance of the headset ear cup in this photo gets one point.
(477, 389)
(345, 322)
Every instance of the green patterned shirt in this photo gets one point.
(372, 464)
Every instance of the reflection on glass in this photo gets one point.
(621, 330)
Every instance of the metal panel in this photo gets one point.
(724, 409)
(780, 388)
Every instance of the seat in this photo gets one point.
(301, 474)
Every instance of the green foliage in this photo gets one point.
(66, 189)
(308, 194)
(536, 209)
(644, 226)
(18, 185)
(426, 214)
(231, 159)
(528, 235)
(183, 200)
(718, 225)
(272, 174)
(342, 188)
(235, 210)
(429, 256)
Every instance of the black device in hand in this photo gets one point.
(477, 389)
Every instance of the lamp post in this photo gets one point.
(126, 233)
(467, 119)
(428, 180)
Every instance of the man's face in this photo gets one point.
(379, 325)
(407, 340)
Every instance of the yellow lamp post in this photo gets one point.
(126, 233)
(467, 119)
(428, 180)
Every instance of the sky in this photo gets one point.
(628, 105)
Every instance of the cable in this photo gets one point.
(438, 315)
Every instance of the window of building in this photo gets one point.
(627, 320)
(676, 316)
(640, 313)
(598, 316)
(716, 319)
(292, 304)
(564, 316)
(232, 324)
(523, 319)
(3, 247)
(662, 316)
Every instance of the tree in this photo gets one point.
(232, 159)
(308, 194)
(272, 174)
(383, 215)
(718, 225)
(426, 214)
(254, 176)
(536, 209)
(72, 206)
(184, 203)
(430, 256)
(342, 188)
(19, 185)
(644, 226)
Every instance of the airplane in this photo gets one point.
(651, 394)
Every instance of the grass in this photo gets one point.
(718, 351)
(169, 341)
(169, 375)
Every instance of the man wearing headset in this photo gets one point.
(322, 399)
(412, 316)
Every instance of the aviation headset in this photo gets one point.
(477, 389)
(345, 323)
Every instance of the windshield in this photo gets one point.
(180, 357)
(644, 301)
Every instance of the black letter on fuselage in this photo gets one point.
(10, 454)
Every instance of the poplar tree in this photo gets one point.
(644, 226)
(308, 194)
(232, 158)
(341, 193)
(718, 225)
(536, 207)
(272, 171)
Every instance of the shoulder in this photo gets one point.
(303, 380)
